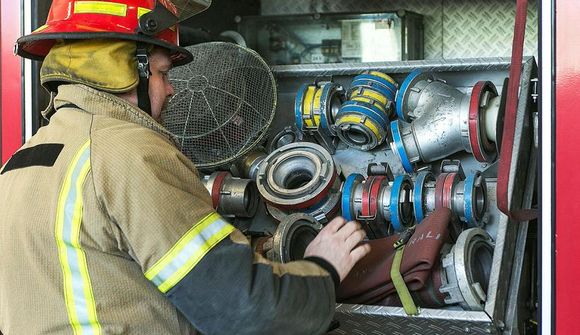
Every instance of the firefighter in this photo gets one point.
(105, 227)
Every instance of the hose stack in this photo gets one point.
(425, 210)
(362, 121)
(315, 109)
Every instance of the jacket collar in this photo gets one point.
(102, 103)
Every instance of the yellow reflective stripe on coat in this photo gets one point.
(188, 251)
(100, 7)
(78, 292)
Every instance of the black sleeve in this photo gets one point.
(326, 266)
(232, 290)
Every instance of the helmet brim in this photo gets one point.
(37, 46)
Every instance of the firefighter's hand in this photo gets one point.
(338, 244)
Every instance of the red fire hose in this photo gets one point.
(507, 146)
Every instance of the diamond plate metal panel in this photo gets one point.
(441, 65)
(453, 28)
(359, 319)
(477, 28)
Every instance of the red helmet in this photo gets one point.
(149, 21)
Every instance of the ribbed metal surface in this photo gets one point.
(439, 65)
(360, 319)
(453, 28)
(485, 28)
(223, 104)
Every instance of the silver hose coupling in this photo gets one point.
(300, 177)
(249, 165)
(382, 202)
(232, 196)
(466, 196)
(444, 120)
(466, 269)
(294, 234)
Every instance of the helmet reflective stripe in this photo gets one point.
(100, 7)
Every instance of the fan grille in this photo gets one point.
(224, 102)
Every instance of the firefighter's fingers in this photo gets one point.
(348, 229)
(359, 252)
(334, 225)
(355, 238)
